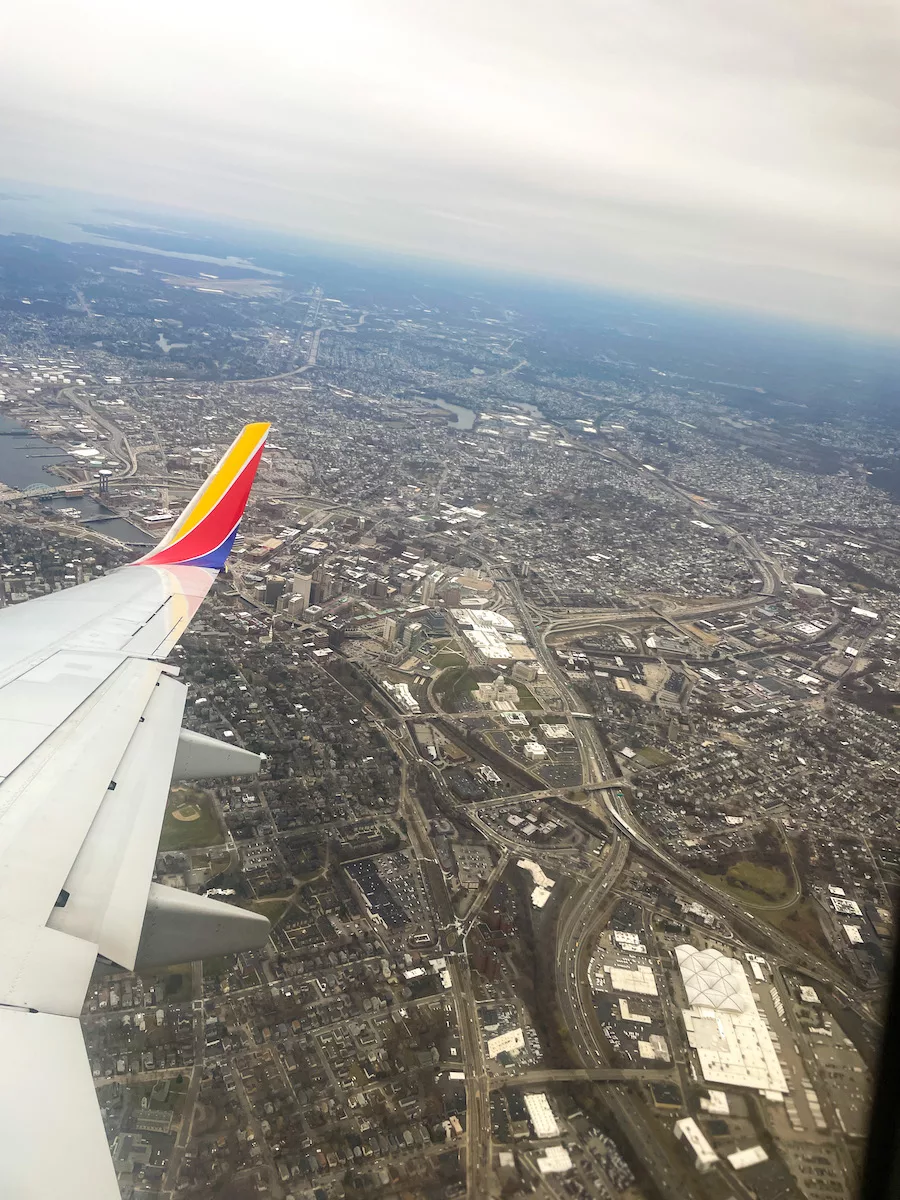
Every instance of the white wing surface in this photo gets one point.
(90, 731)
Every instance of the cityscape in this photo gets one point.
(571, 639)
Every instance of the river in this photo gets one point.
(532, 410)
(466, 418)
(24, 459)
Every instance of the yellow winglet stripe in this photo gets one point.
(236, 458)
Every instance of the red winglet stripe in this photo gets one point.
(217, 525)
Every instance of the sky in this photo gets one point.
(739, 152)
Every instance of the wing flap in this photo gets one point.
(48, 803)
(108, 884)
(54, 1143)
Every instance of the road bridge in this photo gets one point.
(584, 1075)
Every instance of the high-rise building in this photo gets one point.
(412, 634)
(428, 589)
(324, 586)
(300, 586)
(389, 632)
(275, 585)
(452, 596)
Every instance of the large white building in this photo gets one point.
(638, 980)
(541, 1115)
(555, 1160)
(506, 1043)
(402, 694)
(492, 634)
(557, 733)
(724, 1025)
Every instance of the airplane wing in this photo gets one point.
(90, 739)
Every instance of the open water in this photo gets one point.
(23, 463)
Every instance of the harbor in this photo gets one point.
(24, 462)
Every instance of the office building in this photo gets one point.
(300, 586)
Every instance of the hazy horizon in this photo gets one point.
(745, 158)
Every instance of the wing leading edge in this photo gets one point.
(90, 732)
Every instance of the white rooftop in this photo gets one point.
(554, 1161)
(690, 1131)
(724, 1025)
(541, 1115)
(509, 1043)
(747, 1158)
(638, 980)
(711, 980)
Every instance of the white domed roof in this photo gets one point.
(712, 980)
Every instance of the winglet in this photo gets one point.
(204, 533)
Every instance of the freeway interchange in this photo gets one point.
(584, 914)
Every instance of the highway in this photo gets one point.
(769, 570)
(119, 447)
(478, 1098)
(768, 566)
(586, 912)
(580, 918)
(595, 764)
(587, 909)
(587, 620)
(118, 442)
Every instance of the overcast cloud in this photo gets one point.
(740, 151)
